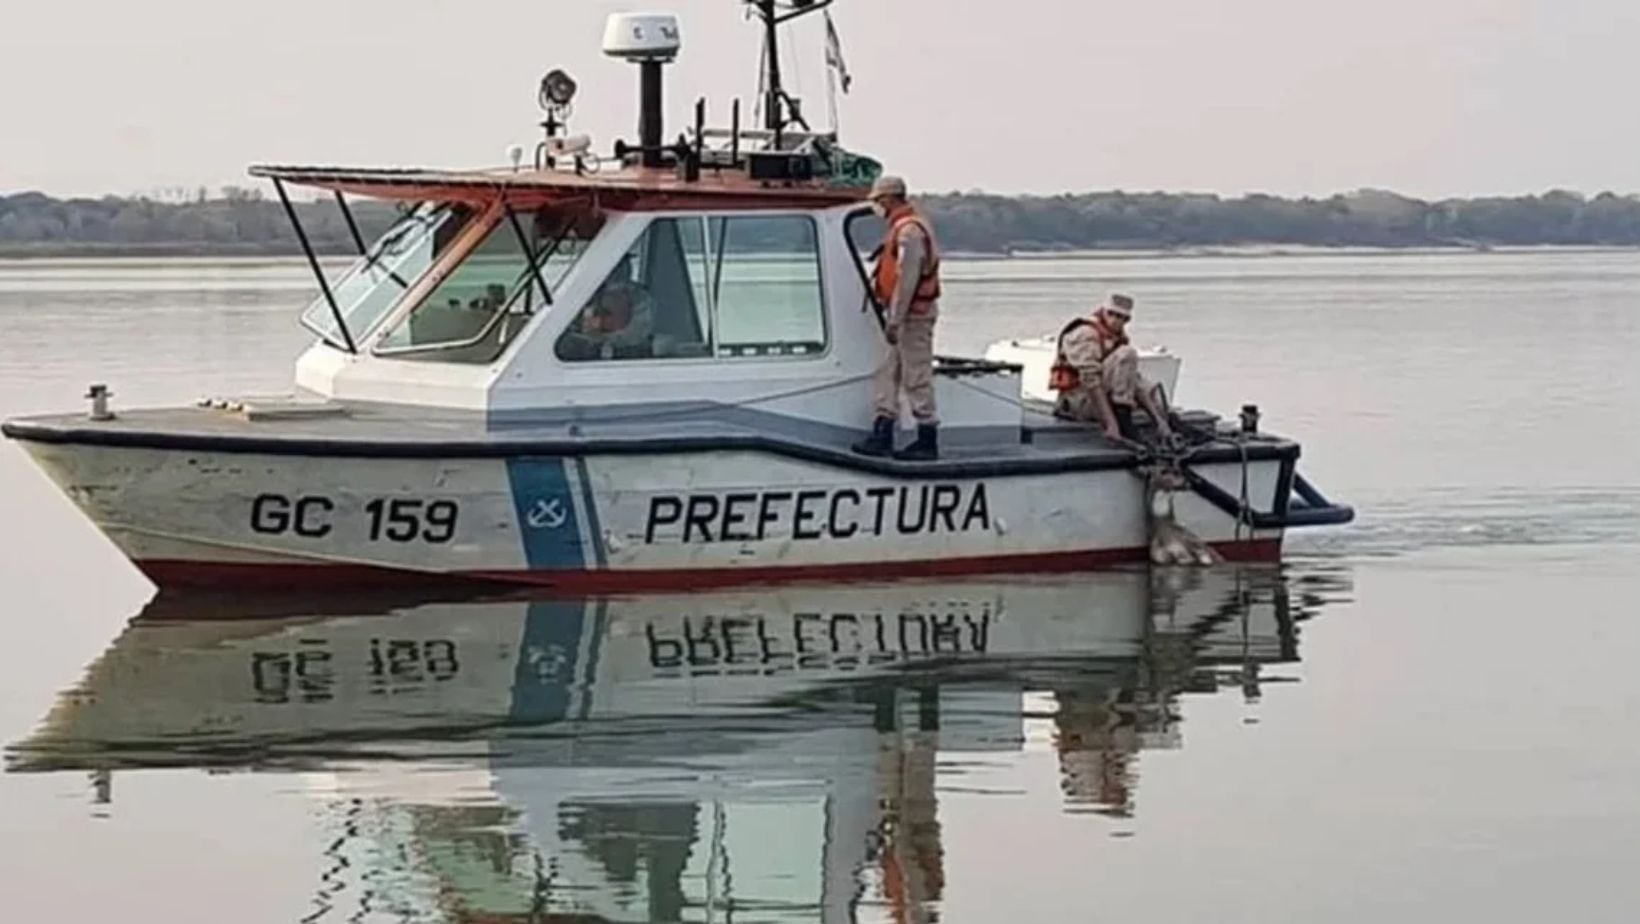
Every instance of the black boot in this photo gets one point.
(880, 442)
(926, 447)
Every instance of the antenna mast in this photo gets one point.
(773, 119)
(774, 94)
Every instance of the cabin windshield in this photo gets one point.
(481, 304)
(387, 270)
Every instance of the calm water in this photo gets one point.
(1430, 715)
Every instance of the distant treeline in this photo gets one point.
(235, 222)
(243, 222)
(1370, 218)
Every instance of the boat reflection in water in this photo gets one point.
(760, 755)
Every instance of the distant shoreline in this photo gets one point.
(242, 223)
(187, 251)
(177, 249)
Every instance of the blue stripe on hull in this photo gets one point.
(548, 523)
(547, 675)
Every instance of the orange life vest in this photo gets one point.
(887, 275)
(1063, 376)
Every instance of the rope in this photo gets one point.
(1242, 515)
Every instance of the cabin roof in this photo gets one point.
(637, 189)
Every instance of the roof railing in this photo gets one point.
(313, 263)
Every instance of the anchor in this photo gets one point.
(548, 513)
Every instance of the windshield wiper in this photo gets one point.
(388, 240)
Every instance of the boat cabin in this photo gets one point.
(513, 291)
(730, 268)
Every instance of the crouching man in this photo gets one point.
(1096, 373)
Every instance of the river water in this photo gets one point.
(1432, 714)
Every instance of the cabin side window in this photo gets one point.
(766, 286)
(723, 286)
(482, 303)
(653, 305)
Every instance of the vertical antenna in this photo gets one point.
(734, 134)
(691, 170)
(774, 94)
(773, 119)
(831, 98)
(836, 70)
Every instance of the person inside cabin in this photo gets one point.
(906, 285)
(493, 299)
(1096, 373)
(619, 319)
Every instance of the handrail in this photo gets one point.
(1314, 509)
(313, 263)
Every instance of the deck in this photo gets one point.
(1043, 444)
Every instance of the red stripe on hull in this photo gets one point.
(183, 573)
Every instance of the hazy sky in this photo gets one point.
(1430, 97)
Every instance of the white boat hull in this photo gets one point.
(619, 521)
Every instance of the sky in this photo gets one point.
(1431, 98)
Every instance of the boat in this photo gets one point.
(640, 369)
(769, 751)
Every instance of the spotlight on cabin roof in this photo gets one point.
(642, 36)
(557, 89)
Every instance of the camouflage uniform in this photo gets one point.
(1117, 372)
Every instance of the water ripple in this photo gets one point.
(1477, 517)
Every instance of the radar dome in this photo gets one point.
(642, 36)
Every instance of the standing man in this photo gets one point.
(906, 284)
(1097, 372)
